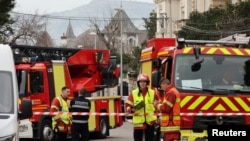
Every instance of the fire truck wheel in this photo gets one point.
(104, 127)
(46, 131)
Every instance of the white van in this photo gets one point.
(9, 112)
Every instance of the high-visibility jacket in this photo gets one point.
(139, 116)
(170, 122)
(65, 124)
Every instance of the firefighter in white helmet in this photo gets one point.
(141, 103)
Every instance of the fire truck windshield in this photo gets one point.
(216, 72)
(6, 94)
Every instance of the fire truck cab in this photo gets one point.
(43, 71)
(199, 71)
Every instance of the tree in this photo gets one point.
(217, 22)
(202, 25)
(44, 40)
(150, 24)
(237, 18)
(134, 63)
(5, 20)
(111, 30)
(28, 29)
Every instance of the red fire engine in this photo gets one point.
(43, 71)
(198, 69)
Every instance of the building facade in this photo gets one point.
(172, 14)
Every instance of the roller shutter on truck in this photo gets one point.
(146, 68)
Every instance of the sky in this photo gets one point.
(50, 6)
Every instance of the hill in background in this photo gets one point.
(102, 10)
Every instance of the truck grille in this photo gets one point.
(201, 122)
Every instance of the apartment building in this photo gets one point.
(172, 14)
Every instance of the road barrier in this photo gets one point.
(131, 114)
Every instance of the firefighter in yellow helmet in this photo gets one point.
(61, 123)
(141, 103)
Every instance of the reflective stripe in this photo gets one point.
(129, 102)
(138, 125)
(79, 121)
(167, 117)
(170, 128)
(168, 103)
(164, 117)
(61, 128)
(159, 107)
(53, 106)
(176, 118)
(79, 106)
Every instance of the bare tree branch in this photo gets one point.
(27, 29)
(109, 34)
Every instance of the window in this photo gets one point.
(22, 82)
(36, 82)
(7, 93)
(131, 42)
(212, 72)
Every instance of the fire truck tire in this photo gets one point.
(46, 132)
(104, 127)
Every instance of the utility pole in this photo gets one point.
(121, 52)
(95, 40)
(170, 18)
(120, 10)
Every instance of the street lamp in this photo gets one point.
(121, 51)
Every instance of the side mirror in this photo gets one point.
(156, 76)
(197, 65)
(26, 110)
(156, 63)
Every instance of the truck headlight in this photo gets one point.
(23, 128)
(184, 138)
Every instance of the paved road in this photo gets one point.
(124, 133)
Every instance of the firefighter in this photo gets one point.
(80, 128)
(140, 102)
(170, 109)
(160, 95)
(61, 123)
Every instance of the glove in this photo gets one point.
(156, 105)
